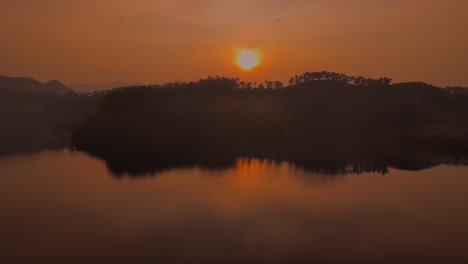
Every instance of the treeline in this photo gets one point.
(222, 84)
(338, 77)
(457, 90)
(319, 76)
(219, 84)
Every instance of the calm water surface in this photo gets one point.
(65, 207)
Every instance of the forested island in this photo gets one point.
(320, 120)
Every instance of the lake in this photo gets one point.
(67, 207)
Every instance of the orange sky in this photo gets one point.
(152, 41)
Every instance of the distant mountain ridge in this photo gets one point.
(91, 88)
(29, 85)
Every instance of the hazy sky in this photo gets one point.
(152, 41)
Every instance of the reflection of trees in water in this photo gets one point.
(347, 167)
(150, 163)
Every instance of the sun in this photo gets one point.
(247, 59)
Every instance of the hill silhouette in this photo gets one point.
(55, 87)
(319, 120)
(28, 85)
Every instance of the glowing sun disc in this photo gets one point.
(247, 59)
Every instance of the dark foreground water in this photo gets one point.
(65, 207)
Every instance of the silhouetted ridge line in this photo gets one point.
(89, 88)
(28, 85)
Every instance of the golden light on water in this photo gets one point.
(247, 59)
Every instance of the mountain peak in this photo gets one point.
(53, 82)
(28, 85)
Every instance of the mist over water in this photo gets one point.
(67, 207)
